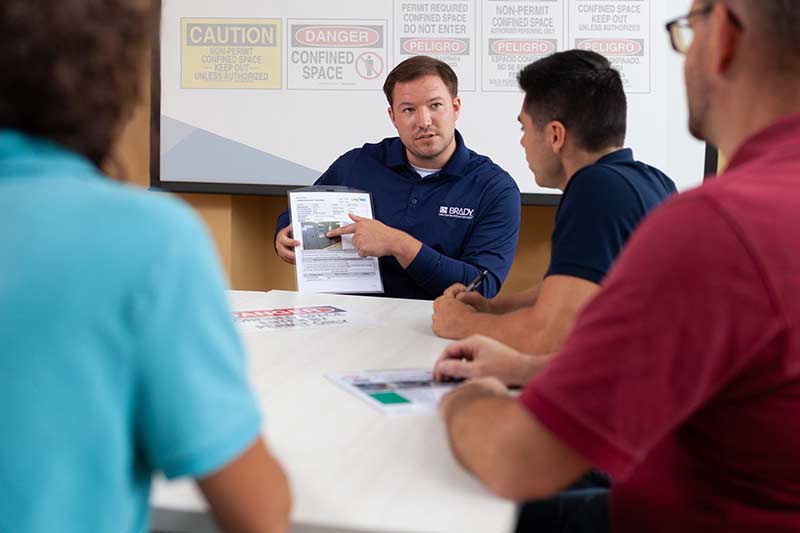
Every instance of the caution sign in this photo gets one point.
(230, 53)
(338, 55)
(516, 33)
(444, 29)
(619, 30)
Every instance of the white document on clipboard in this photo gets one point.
(326, 264)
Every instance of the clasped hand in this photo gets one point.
(452, 310)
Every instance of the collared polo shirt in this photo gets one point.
(120, 357)
(467, 215)
(601, 206)
(681, 378)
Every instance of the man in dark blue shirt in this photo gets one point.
(574, 121)
(443, 213)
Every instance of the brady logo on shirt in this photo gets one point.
(456, 212)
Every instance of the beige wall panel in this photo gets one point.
(215, 210)
(256, 266)
(533, 250)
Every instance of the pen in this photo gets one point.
(477, 281)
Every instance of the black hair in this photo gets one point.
(583, 91)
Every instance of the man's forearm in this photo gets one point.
(507, 449)
(405, 248)
(507, 303)
(520, 329)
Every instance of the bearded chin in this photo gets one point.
(698, 119)
(696, 128)
(699, 101)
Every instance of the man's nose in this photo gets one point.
(423, 118)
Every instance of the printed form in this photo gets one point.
(325, 264)
(408, 391)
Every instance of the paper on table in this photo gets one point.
(395, 392)
(331, 264)
(317, 316)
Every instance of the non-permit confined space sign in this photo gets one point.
(336, 54)
(515, 33)
(444, 29)
(592, 22)
(226, 53)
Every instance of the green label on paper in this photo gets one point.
(389, 397)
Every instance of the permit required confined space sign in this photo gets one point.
(444, 29)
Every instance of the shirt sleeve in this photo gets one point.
(597, 216)
(490, 245)
(194, 409)
(681, 314)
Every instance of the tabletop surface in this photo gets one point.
(351, 467)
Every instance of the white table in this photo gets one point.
(351, 468)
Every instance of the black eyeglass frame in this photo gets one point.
(683, 22)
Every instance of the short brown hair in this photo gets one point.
(417, 67)
(71, 69)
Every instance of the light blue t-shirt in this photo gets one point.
(118, 356)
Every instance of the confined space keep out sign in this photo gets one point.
(444, 29)
(591, 22)
(515, 33)
(224, 53)
(336, 54)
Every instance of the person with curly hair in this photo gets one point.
(120, 358)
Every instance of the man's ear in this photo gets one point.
(556, 135)
(456, 106)
(726, 38)
(391, 114)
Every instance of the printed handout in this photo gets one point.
(325, 264)
(395, 392)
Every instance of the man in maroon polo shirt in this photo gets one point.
(682, 377)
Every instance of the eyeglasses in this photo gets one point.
(680, 31)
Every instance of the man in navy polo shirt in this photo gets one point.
(442, 212)
(573, 120)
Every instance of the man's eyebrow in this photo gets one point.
(434, 99)
(519, 118)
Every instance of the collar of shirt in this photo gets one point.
(22, 155)
(783, 133)
(456, 166)
(624, 155)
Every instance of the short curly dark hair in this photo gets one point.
(71, 69)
